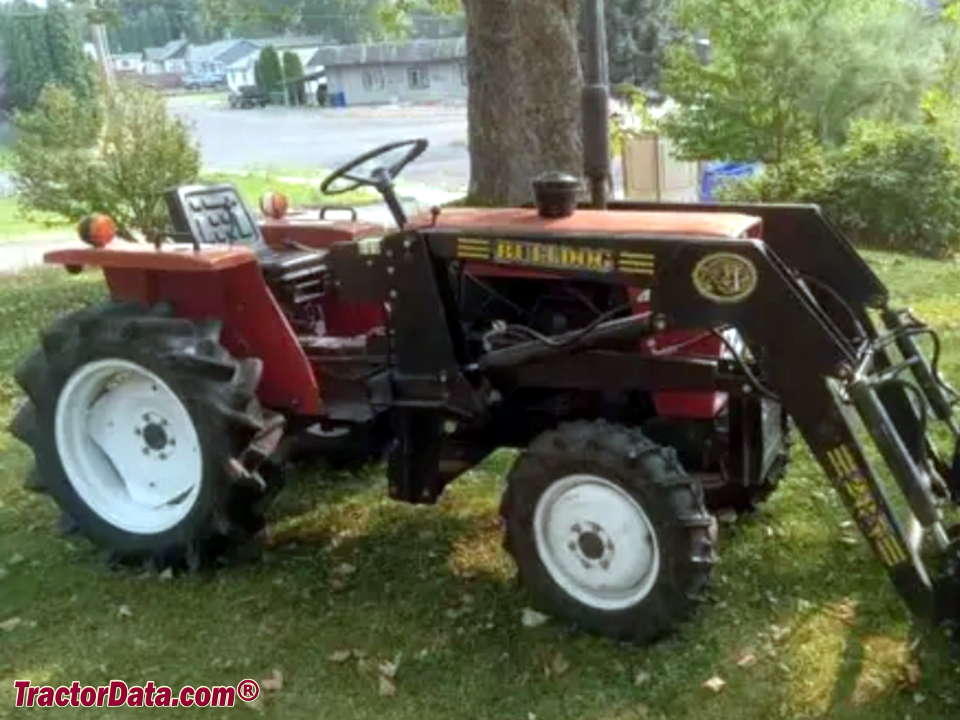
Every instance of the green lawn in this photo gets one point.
(15, 227)
(802, 623)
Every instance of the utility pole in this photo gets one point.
(100, 46)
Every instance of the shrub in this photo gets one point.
(897, 187)
(271, 75)
(890, 186)
(292, 69)
(803, 176)
(115, 155)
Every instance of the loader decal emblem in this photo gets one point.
(869, 515)
(725, 277)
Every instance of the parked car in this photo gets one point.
(204, 81)
(248, 96)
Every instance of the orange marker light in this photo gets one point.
(274, 204)
(97, 230)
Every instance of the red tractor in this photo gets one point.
(644, 359)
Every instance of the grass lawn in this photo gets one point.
(802, 624)
(14, 227)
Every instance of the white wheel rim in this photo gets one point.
(128, 446)
(596, 542)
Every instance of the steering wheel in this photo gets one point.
(381, 178)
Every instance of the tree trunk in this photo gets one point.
(524, 99)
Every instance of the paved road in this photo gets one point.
(309, 140)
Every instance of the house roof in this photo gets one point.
(290, 42)
(173, 49)
(410, 51)
(224, 51)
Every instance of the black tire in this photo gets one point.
(218, 392)
(650, 475)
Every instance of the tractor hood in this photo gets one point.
(523, 221)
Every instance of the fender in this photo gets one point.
(222, 283)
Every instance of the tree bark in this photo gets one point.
(523, 106)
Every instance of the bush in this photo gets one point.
(115, 155)
(270, 76)
(803, 176)
(292, 69)
(890, 186)
(897, 187)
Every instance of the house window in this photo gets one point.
(418, 77)
(463, 73)
(373, 80)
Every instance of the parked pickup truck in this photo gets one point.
(204, 81)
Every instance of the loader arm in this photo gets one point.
(823, 381)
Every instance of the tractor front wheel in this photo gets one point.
(148, 435)
(607, 531)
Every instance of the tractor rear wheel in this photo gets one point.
(607, 531)
(148, 434)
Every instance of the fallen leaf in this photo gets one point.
(16, 559)
(389, 669)
(558, 665)
(716, 684)
(340, 656)
(274, 683)
(387, 688)
(532, 618)
(746, 660)
(641, 678)
(336, 584)
(912, 674)
(10, 625)
(124, 611)
(778, 633)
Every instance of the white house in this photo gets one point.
(171, 58)
(412, 71)
(240, 70)
(127, 63)
(217, 57)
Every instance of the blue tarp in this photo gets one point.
(718, 172)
